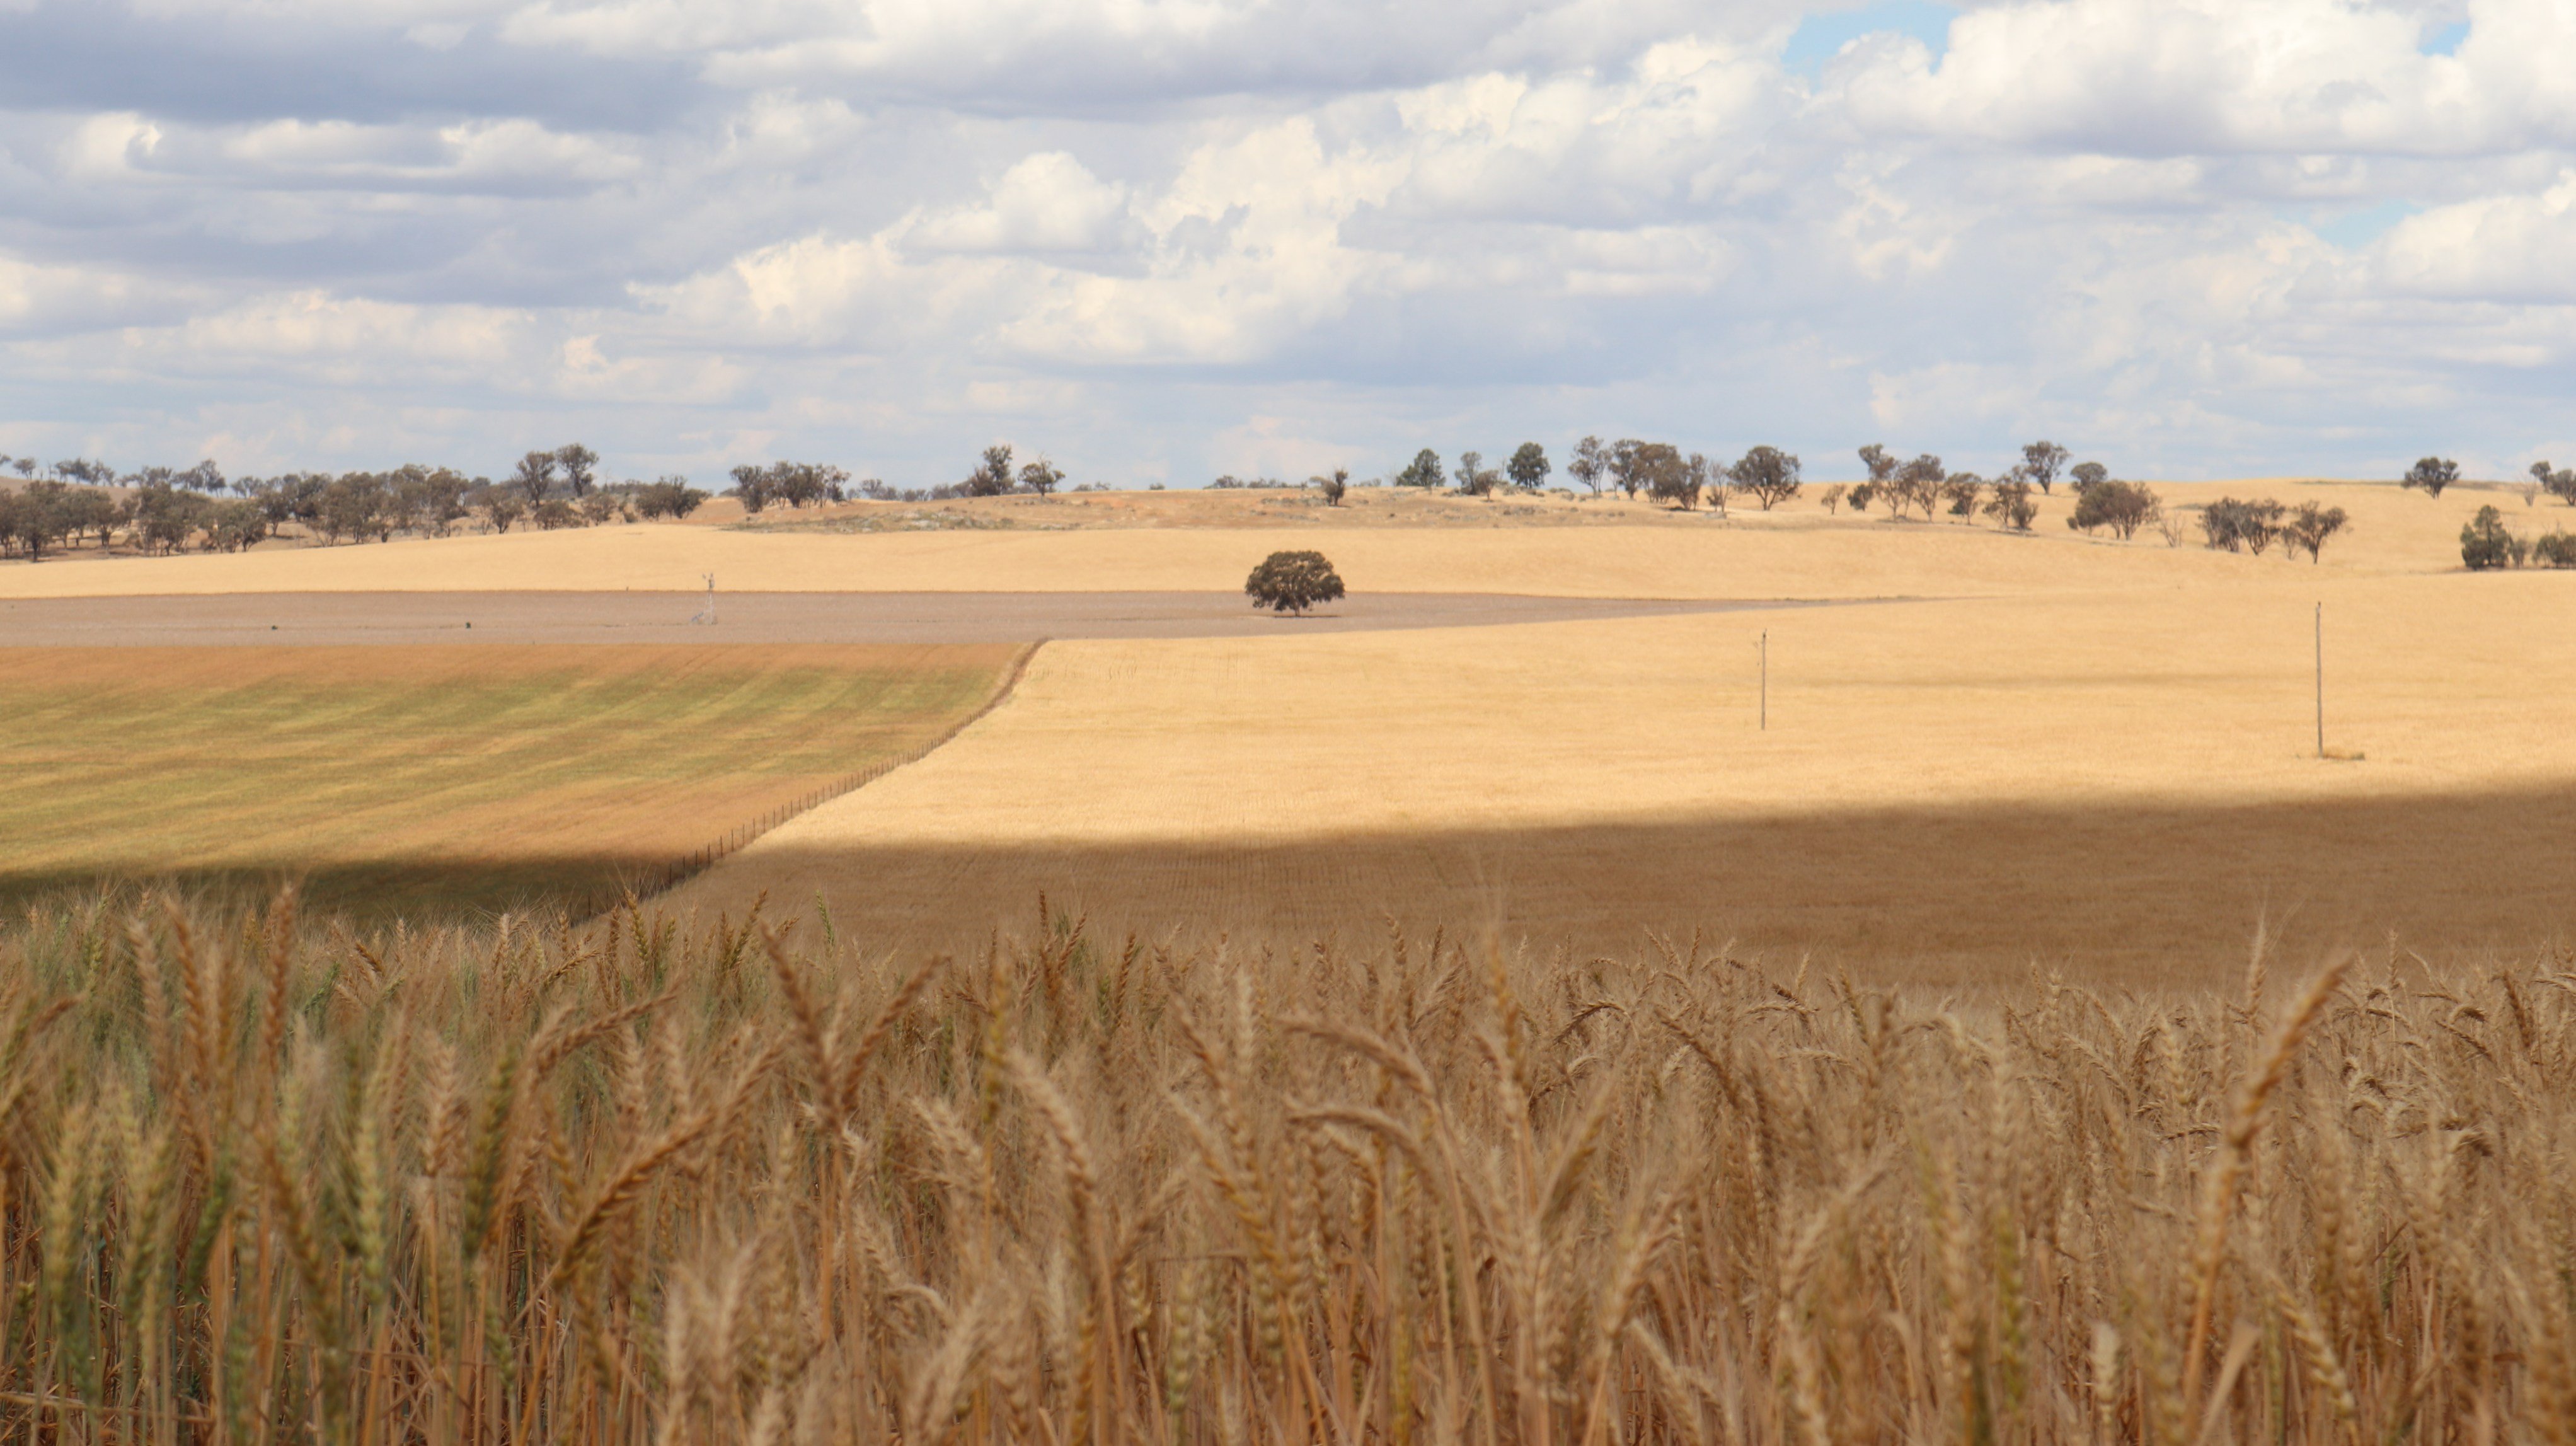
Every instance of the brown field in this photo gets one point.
(429, 779)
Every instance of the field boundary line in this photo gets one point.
(697, 861)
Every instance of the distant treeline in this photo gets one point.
(161, 510)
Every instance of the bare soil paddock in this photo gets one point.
(314, 619)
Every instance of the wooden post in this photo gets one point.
(2321, 680)
(1764, 717)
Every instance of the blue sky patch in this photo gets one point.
(1820, 38)
(2355, 229)
(2444, 39)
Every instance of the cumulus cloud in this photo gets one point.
(1165, 239)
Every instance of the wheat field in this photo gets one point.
(674, 1180)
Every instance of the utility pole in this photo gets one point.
(1765, 714)
(2321, 680)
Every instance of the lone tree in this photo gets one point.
(2310, 526)
(2089, 475)
(1422, 471)
(1766, 474)
(2432, 474)
(2040, 462)
(1041, 477)
(1291, 582)
(1529, 466)
(1336, 486)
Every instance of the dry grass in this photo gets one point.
(661, 1181)
(2120, 780)
(450, 777)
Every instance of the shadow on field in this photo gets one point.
(429, 891)
(2149, 897)
(2143, 896)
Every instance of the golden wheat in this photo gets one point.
(620, 1182)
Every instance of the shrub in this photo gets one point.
(2558, 549)
(1862, 495)
(555, 512)
(2123, 507)
(670, 497)
(1832, 496)
(2486, 543)
(1292, 582)
(1961, 492)
(1475, 478)
(1336, 487)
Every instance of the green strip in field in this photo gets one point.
(439, 778)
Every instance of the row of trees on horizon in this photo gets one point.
(165, 510)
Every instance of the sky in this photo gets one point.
(1159, 240)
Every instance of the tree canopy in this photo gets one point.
(1292, 582)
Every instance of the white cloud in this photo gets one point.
(2510, 249)
(1200, 235)
(1046, 202)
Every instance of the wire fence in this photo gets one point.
(672, 874)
